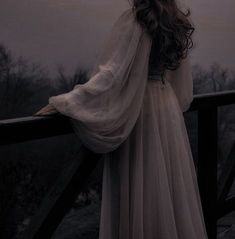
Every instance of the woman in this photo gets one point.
(131, 110)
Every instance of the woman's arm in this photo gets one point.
(46, 110)
(104, 110)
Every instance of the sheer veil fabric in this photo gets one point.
(105, 109)
(150, 186)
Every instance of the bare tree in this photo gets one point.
(65, 83)
(218, 79)
(19, 82)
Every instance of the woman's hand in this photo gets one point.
(47, 110)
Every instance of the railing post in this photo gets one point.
(207, 166)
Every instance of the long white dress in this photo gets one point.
(150, 186)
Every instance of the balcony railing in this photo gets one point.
(74, 178)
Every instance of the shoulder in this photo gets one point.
(127, 13)
(127, 21)
(127, 16)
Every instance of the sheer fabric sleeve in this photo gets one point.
(181, 81)
(103, 111)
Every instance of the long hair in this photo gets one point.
(169, 27)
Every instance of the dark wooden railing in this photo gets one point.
(74, 178)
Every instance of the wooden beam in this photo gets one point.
(207, 167)
(30, 128)
(61, 197)
(227, 176)
(212, 100)
(37, 127)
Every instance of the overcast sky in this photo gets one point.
(71, 32)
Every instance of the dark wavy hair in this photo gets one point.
(169, 27)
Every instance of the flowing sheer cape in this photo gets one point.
(104, 110)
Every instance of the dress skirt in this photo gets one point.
(150, 188)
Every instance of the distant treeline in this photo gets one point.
(26, 86)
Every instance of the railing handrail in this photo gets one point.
(30, 128)
(215, 99)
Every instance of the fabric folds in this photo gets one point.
(103, 111)
(150, 186)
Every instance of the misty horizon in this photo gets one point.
(59, 32)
